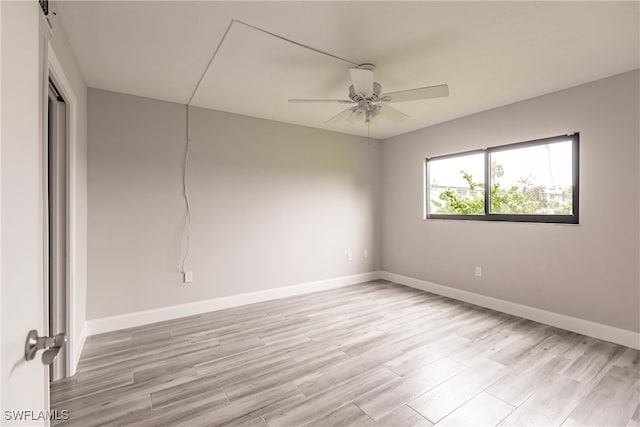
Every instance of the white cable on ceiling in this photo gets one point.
(296, 43)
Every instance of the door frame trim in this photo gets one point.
(55, 71)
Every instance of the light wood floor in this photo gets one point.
(375, 354)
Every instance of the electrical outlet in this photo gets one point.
(349, 257)
(366, 253)
(478, 271)
(188, 276)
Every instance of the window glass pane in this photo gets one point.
(533, 180)
(456, 185)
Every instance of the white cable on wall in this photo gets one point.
(185, 188)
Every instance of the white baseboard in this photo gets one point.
(129, 320)
(574, 324)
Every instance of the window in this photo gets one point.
(533, 181)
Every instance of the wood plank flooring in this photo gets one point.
(373, 354)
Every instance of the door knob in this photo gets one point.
(35, 343)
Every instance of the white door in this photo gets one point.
(24, 385)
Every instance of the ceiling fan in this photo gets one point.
(369, 102)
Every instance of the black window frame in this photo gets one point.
(488, 216)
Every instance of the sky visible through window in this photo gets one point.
(548, 165)
(446, 172)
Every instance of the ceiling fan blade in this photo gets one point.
(392, 114)
(339, 101)
(362, 80)
(416, 94)
(340, 116)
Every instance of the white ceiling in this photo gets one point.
(489, 53)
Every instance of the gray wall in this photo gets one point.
(590, 270)
(277, 205)
(273, 204)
